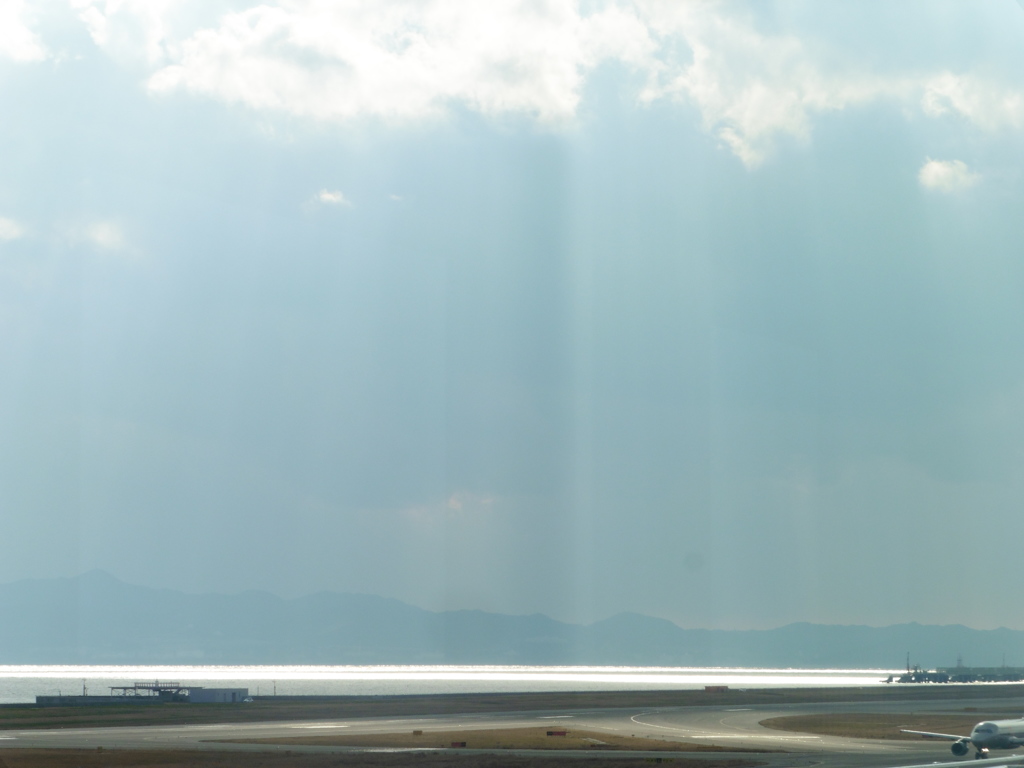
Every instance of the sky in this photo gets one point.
(709, 311)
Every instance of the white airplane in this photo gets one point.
(990, 734)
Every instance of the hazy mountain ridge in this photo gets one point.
(97, 619)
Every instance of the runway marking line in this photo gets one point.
(711, 735)
(653, 725)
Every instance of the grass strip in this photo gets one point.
(497, 738)
(115, 758)
(862, 725)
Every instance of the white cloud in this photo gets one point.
(338, 60)
(130, 29)
(750, 88)
(986, 104)
(331, 197)
(946, 175)
(10, 229)
(105, 235)
(461, 505)
(464, 501)
(17, 40)
(341, 59)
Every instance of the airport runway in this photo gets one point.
(734, 726)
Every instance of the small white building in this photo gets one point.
(217, 695)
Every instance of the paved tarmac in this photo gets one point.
(735, 726)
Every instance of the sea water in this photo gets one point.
(23, 683)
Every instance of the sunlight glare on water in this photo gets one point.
(24, 682)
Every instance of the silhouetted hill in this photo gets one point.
(97, 619)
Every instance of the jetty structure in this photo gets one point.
(154, 692)
(960, 675)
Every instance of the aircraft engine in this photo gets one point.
(959, 748)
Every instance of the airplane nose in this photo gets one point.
(983, 732)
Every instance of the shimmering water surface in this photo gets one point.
(24, 683)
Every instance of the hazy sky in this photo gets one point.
(710, 311)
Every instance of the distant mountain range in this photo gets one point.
(97, 619)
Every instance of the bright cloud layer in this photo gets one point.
(946, 175)
(337, 60)
(130, 29)
(17, 41)
(402, 59)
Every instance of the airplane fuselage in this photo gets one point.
(998, 734)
